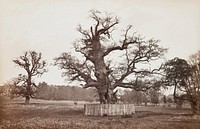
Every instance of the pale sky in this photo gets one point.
(49, 27)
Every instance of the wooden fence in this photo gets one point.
(109, 109)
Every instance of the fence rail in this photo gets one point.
(109, 109)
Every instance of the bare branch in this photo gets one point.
(73, 68)
(124, 43)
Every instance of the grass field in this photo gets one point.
(42, 114)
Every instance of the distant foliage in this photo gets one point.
(154, 96)
(136, 97)
(170, 99)
(57, 92)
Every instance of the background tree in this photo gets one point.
(10, 88)
(96, 66)
(169, 99)
(34, 65)
(43, 91)
(194, 80)
(136, 97)
(182, 75)
(154, 96)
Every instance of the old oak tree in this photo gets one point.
(97, 67)
(34, 65)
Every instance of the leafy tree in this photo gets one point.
(154, 96)
(182, 75)
(194, 81)
(137, 97)
(34, 65)
(9, 88)
(42, 91)
(169, 99)
(96, 66)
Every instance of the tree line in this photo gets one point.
(152, 97)
(74, 93)
(54, 92)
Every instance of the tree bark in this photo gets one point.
(100, 71)
(102, 98)
(28, 88)
(103, 94)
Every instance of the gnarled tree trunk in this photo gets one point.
(100, 70)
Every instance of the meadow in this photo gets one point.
(43, 114)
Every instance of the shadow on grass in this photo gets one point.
(142, 114)
(70, 112)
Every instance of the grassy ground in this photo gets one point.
(42, 114)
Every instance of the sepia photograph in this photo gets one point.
(99, 64)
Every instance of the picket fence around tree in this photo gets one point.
(109, 109)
